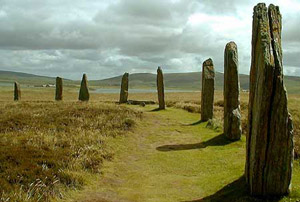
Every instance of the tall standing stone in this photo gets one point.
(160, 88)
(84, 94)
(59, 89)
(232, 110)
(124, 89)
(17, 91)
(270, 130)
(208, 88)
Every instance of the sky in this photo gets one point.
(105, 38)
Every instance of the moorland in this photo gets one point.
(102, 151)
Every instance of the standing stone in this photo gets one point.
(208, 88)
(232, 110)
(17, 92)
(124, 89)
(270, 130)
(59, 89)
(160, 88)
(84, 94)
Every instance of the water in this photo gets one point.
(4, 84)
(12, 84)
(134, 90)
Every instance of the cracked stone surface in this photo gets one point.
(270, 130)
(232, 110)
(208, 88)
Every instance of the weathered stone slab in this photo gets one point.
(208, 88)
(84, 94)
(59, 89)
(270, 131)
(17, 91)
(232, 110)
(160, 88)
(124, 89)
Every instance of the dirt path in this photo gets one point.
(169, 157)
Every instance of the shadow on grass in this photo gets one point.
(196, 123)
(219, 140)
(233, 192)
(156, 110)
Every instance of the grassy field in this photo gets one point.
(48, 147)
(54, 149)
(189, 101)
(171, 157)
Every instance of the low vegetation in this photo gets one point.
(47, 147)
(171, 156)
(193, 105)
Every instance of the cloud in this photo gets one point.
(107, 38)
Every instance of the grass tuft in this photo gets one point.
(214, 124)
(46, 147)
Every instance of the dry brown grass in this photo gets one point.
(46, 147)
(189, 101)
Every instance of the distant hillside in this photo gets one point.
(139, 80)
(188, 81)
(24, 78)
(191, 80)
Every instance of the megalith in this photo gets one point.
(17, 91)
(59, 89)
(270, 144)
(160, 88)
(84, 94)
(124, 89)
(232, 110)
(208, 88)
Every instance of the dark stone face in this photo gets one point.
(84, 94)
(232, 111)
(270, 131)
(124, 88)
(160, 88)
(208, 88)
(17, 91)
(59, 89)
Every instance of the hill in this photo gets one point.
(183, 81)
(29, 79)
(191, 81)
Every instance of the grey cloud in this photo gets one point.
(229, 7)
(291, 29)
(146, 12)
(292, 59)
(106, 38)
